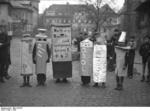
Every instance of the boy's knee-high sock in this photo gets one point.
(122, 79)
(117, 80)
(24, 80)
(28, 79)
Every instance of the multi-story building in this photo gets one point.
(110, 22)
(34, 5)
(19, 15)
(143, 24)
(22, 18)
(5, 6)
(129, 17)
(68, 14)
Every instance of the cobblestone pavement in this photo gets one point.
(135, 93)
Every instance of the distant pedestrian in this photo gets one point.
(130, 55)
(145, 53)
(26, 60)
(41, 56)
(4, 56)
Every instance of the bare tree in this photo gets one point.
(96, 12)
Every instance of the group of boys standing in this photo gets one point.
(119, 56)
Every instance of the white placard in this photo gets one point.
(122, 37)
(99, 63)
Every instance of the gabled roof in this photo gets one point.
(108, 9)
(17, 4)
(67, 8)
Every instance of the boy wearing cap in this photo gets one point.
(26, 60)
(41, 55)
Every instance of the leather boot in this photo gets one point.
(28, 81)
(143, 78)
(24, 82)
(117, 83)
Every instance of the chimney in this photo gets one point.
(67, 3)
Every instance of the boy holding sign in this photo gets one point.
(99, 61)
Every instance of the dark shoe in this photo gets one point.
(28, 85)
(7, 77)
(2, 80)
(57, 81)
(147, 80)
(95, 85)
(103, 85)
(65, 80)
(130, 77)
(118, 88)
(43, 84)
(23, 85)
(143, 79)
(38, 85)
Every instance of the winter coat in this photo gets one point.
(145, 51)
(4, 53)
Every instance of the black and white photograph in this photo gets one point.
(74, 53)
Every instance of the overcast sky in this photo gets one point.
(46, 3)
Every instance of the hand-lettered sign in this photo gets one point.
(86, 57)
(99, 63)
(61, 43)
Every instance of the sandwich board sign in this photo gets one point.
(61, 43)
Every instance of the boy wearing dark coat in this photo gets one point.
(130, 55)
(4, 56)
(145, 53)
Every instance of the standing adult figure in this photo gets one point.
(121, 70)
(4, 56)
(7, 76)
(145, 54)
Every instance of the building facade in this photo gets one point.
(143, 24)
(5, 6)
(68, 14)
(129, 18)
(110, 22)
(20, 16)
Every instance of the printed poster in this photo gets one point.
(99, 63)
(61, 43)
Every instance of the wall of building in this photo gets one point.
(4, 13)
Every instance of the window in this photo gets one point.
(59, 20)
(69, 21)
(79, 21)
(105, 30)
(64, 21)
(60, 14)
